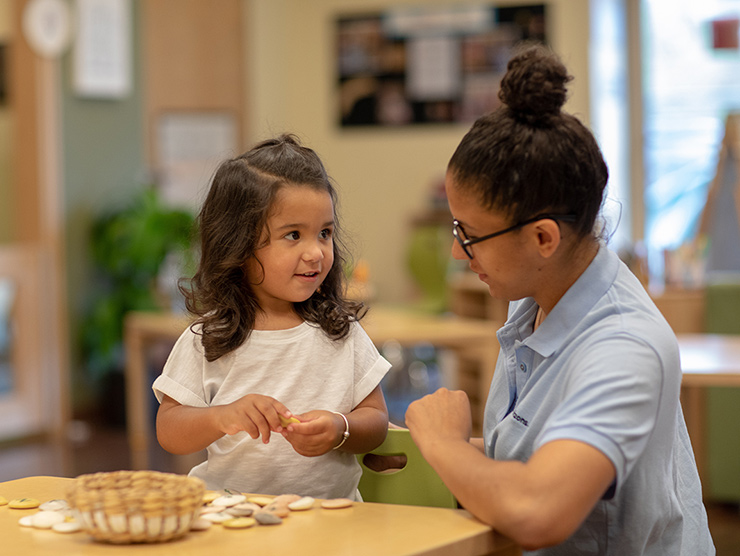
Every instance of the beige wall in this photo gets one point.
(383, 174)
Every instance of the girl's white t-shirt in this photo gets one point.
(302, 368)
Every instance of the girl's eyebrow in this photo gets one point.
(303, 225)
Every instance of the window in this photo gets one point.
(691, 80)
(609, 111)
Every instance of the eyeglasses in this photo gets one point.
(465, 242)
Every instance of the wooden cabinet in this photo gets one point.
(683, 309)
(469, 297)
(194, 79)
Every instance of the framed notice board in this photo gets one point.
(420, 65)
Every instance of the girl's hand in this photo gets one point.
(255, 414)
(443, 415)
(318, 432)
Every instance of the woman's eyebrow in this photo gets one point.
(464, 225)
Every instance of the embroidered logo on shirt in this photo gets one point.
(519, 418)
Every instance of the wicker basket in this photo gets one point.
(136, 506)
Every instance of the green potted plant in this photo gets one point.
(129, 248)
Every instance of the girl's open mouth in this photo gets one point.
(308, 275)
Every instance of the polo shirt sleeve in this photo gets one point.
(615, 390)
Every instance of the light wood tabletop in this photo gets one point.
(710, 359)
(706, 360)
(364, 529)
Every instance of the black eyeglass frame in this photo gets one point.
(459, 232)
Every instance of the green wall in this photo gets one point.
(104, 166)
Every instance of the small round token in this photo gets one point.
(200, 524)
(267, 518)
(285, 422)
(304, 503)
(210, 496)
(239, 512)
(280, 511)
(285, 499)
(67, 527)
(228, 500)
(46, 519)
(261, 500)
(239, 523)
(246, 506)
(211, 509)
(336, 503)
(26, 521)
(24, 503)
(3, 501)
(217, 518)
(54, 505)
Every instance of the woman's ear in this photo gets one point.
(547, 233)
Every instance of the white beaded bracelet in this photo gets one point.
(345, 434)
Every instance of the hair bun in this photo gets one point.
(534, 85)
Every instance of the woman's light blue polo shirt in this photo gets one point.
(604, 369)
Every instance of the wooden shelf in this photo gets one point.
(469, 297)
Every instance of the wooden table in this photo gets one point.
(472, 340)
(706, 360)
(710, 359)
(365, 529)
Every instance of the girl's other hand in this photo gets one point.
(317, 433)
(255, 414)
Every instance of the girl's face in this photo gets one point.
(300, 253)
(502, 262)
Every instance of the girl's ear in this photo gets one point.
(254, 271)
(547, 236)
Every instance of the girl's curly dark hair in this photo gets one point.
(231, 225)
(529, 157)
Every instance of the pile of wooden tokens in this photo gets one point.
(232, 510)
(53, 514)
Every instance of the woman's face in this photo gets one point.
(504, 262)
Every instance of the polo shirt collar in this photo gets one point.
(574, 305)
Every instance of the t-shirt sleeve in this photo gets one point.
(612, 400)
(182, 376)
(370, 366)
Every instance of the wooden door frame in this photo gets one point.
(39, 232)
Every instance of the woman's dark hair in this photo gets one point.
(231, 226)
(528, 156)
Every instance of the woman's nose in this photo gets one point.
(457, 251)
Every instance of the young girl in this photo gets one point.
(274, 339)
(584, 449)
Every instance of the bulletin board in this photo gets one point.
(421, 65)
(191, 144)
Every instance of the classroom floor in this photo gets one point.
(107, 450)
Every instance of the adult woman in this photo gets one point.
(585, 450)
